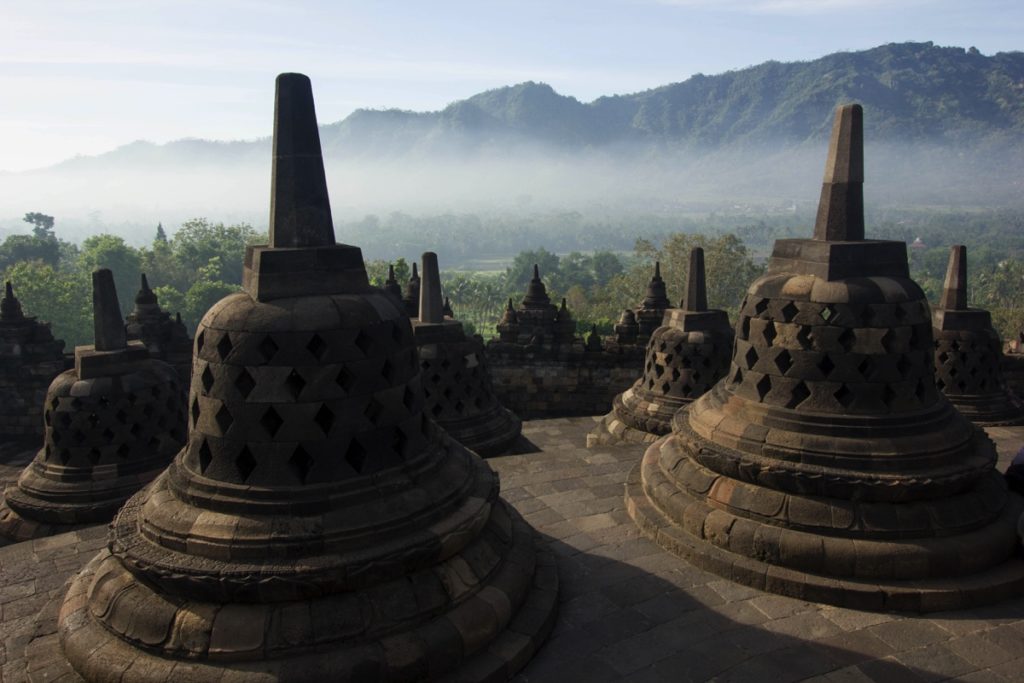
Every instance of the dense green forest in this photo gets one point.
(201, 261)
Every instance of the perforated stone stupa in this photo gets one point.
(112, 424)
(686, 356)
(968, 353)
(29, 359)
(456, 381)
(651, 311)
(316, 526)
(164, 336)
(827, 465)
(411, 296)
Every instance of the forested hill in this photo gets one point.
(911, 91)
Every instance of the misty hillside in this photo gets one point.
(944, 126)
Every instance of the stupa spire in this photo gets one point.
(841, 207)
(696, 284)
(10, 307)
(108, 325)
(954, 290)
(656, 297)
(145, 295)
(300, 213)
(431, 303)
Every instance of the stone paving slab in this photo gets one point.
(629, 610)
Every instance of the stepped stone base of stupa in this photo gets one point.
(488, 435)
(634, 418)
(853, 573)
(990, 410)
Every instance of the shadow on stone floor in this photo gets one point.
(522, 446)
(657, 619)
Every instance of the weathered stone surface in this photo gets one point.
(827, 465)
(111, 425)
(457, 389)
(317, 525)
(968, 353)
(29, 360)
(685, 357)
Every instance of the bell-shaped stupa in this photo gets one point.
(111, 425)
(317, 525)
(456, 382)
(827, 466)
(651, 311)
(686, 356)
(391, 285)
(164, 336)
(29, 360)
(968, 353)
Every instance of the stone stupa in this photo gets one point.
(651, 311)
(391, 285)
(456, 382)
(411, 297)
(317, 525)
(968, 353)
(686, 356)
(164, 336)
(112, 424)
(29, 360)
(827, 466)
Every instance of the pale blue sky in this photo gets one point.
(82, 77)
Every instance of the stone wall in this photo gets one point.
(564, 381)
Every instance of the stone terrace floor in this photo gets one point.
(629, 610)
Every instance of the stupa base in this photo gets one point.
(612, 431)
(989, 410)
(499, 635)
(15, 528)
(1000, 582)
(488, 435)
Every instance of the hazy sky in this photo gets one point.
(84, 76)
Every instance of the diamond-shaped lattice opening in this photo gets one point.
(205, 457)
(355, 455)
(675, 375)
(399, 442)
(887, 340)
(943, 357)
(373, 410)
(195, 410)
(200, 341)
(953, 372)
(148, 410)
(737, 376)
(899, 313)
(888, 396)
(939, 383)
(123, 451)
(245, 383)
(64, 455)
(460, 407)
(763, 386)
(300, 463)
(805, 337)
(387, 371)
(903, 365)
(955, 346)
(245, 463)
(94, 456)
(828, 313)
(744, 327)
(961, 385)
(93, 419)
(659, 370)
(799, 394)
(364, 342)
(789, 311)
(761, 306)
(207, 379)
(271, 421)
(136, 428)
(294, 383)
(316, 346)
(224, 419)
(769, 333)
(866, 367)
(324, 419)
(108, 434)
(54, 403)
(409, 399)
(64, 419)
(844, 395)
(826, 365)
(268, 348)
(783, 361)
(847, 338)
(436, 409)
(224, 346)
(750, 357)
(445, 364)
(345, 379)
(78, 435)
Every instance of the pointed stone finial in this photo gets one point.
(448, 312)
(145, 295)
(431, 304)
(536, 292)
(536, 272)
(841, 207)
(300, 212)
(177, 317)
(106, 313)
(696, 285)
(657, 270)
(10, 307)
(656, 297)
(954, 290)
(415, 273)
